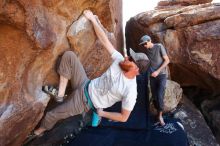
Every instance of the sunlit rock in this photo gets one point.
(33, 33)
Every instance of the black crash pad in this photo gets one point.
(171, 134)
(139, 130)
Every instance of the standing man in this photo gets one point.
(159, 60)
(118, 83)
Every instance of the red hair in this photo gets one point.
(125, 65)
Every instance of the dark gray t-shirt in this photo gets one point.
(155, 55)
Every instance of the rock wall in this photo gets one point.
(33, 34)
(198, 132)
(177, 3)
(191, 35)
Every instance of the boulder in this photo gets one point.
(191, 36)
(33, 33)
(172, 97)
(198, 132)
(192, 17)
(182, 2)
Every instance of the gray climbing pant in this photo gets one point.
(71, 68)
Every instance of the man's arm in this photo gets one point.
(120, 117)
(165, 63)
(99, 32)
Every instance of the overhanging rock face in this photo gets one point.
(33, 33)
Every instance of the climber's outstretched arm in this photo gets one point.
(99, 31)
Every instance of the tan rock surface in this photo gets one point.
(172, 97)
(192, 17)
(89, 49)
(182, 2)
(33, 33)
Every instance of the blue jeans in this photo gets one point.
(158, 86)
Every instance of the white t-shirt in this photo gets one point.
(113, 86)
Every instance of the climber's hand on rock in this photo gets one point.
(89, 15)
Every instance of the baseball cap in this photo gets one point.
(141, 60)
(138, 56)
(144, 39)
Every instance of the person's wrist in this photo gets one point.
(101, 112)
(92, 19)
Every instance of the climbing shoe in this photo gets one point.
(53, 92)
